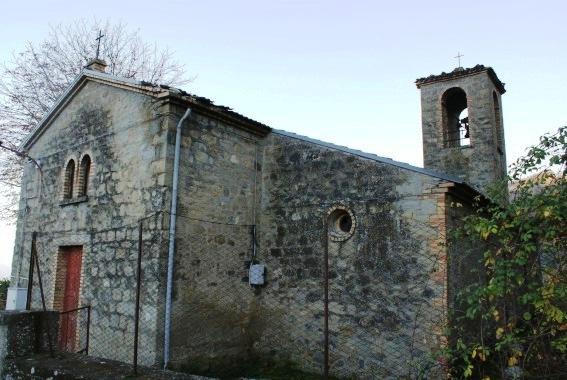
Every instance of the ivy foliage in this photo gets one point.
(512, 321)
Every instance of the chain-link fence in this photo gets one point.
(74, 330)
(212, 299)
(106, 323)
(366, 305)
(355, 294)
(111, 291)
(386, 303)
(126, 327)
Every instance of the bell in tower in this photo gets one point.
(462, 125)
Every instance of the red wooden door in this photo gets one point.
(72, 259)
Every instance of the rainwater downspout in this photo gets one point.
(171, 249)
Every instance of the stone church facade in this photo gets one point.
(350, 247)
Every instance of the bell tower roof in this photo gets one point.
(462, 72)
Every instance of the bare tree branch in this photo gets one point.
(36, 76)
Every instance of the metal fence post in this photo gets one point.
(30, 274)
(36, 260)
(64, 318)
(138, 286)
(88, 329)
(326, 311)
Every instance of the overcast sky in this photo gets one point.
(337, 71)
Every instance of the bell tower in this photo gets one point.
(463, 134)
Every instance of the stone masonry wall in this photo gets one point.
(242, 199)
(387, 287)
(212, 304)
(124, 137)
(465, 264)
(387, 282)
(480, 163)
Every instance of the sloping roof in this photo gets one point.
(369, 156)
(205, 104)
(201, 103)
(461, 72)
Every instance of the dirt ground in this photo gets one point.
(75, 366)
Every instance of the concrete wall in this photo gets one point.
(125, 139)
(23, 333)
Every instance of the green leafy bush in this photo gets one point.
(512, 323)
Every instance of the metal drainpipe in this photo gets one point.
(171, 250)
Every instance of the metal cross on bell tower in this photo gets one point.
(100, 35)
(458, 56)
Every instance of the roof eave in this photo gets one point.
(445, 77)
(240, 121)
(371, 156)
(68, 94)
(243, 123)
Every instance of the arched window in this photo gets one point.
(84, 172)
(455, 118)
(498, 123)
(69, 180)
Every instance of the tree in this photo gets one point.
(518, 308)
(34, 79)
(4, 284)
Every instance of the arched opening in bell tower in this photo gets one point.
(455, 118)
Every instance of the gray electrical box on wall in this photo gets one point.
(256, 274)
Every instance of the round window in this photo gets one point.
(341, 222)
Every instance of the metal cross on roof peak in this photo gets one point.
(100, 35)
(458, 56)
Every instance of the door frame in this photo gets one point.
(60, 292)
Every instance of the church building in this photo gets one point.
(260, 248)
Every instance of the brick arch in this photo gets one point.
(84, 175)
(69, 179)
